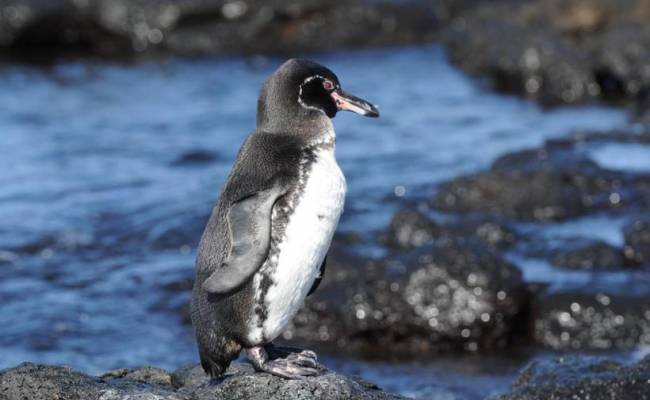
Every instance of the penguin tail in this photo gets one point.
(216, 361)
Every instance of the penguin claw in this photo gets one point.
(309, 354)
(286, 351)
(289, 370)
(302, 360)
(296, 365)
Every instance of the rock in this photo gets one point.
(554, 51)
(43, 30)
(522, 195)
(451, 295)
(518, 56)
(605, 312)
(495, 234)
(637, 241)
(241, 382)
(152, 375)
(554, 182)
(36, 382)
(44, 382)
(410, 228)
(581, 377)
(590, 255)
(191, 375)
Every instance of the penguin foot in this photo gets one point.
(292, 366)
(286, 351)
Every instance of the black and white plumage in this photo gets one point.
(265, 245)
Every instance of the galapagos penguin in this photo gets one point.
(264, 247)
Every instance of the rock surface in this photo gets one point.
(552, 183)
(637, 241)
(604, 313)
(555, 51)
(32, 29)
(582, 378)
(452, 295)
(590, 255)
(411, 228)
(36, 382)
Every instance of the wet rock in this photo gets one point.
(452, 295)
(590, 255)
(637, 241)
(34, 381)
(554, 182)
(40, 30)
(581, 377)
(410, 228)
(609, 311)
(554, 51)
(195, 157)
(498, 235)
(516, 58)
(517, 194)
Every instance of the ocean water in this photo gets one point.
(109, 172)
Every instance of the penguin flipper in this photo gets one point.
(319, 278)
(249, 223)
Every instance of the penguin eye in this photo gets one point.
(328, 85)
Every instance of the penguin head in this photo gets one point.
(301, 91)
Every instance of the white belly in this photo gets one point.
(307, 238)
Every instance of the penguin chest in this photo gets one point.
(300, 244)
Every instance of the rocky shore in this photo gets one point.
(581, 377)
(574, 377)
(37, 381)
(551, 51)
(557, 52)
(126, 29)
(454, 283)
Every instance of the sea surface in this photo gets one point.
(108, 172)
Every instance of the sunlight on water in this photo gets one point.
(622, 156)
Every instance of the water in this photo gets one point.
(100, 219)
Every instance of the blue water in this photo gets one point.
(99, 219)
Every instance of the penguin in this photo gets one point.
(264, 247)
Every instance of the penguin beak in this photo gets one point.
(347, 102)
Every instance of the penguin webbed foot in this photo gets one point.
(285, 362)
(274, 352)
